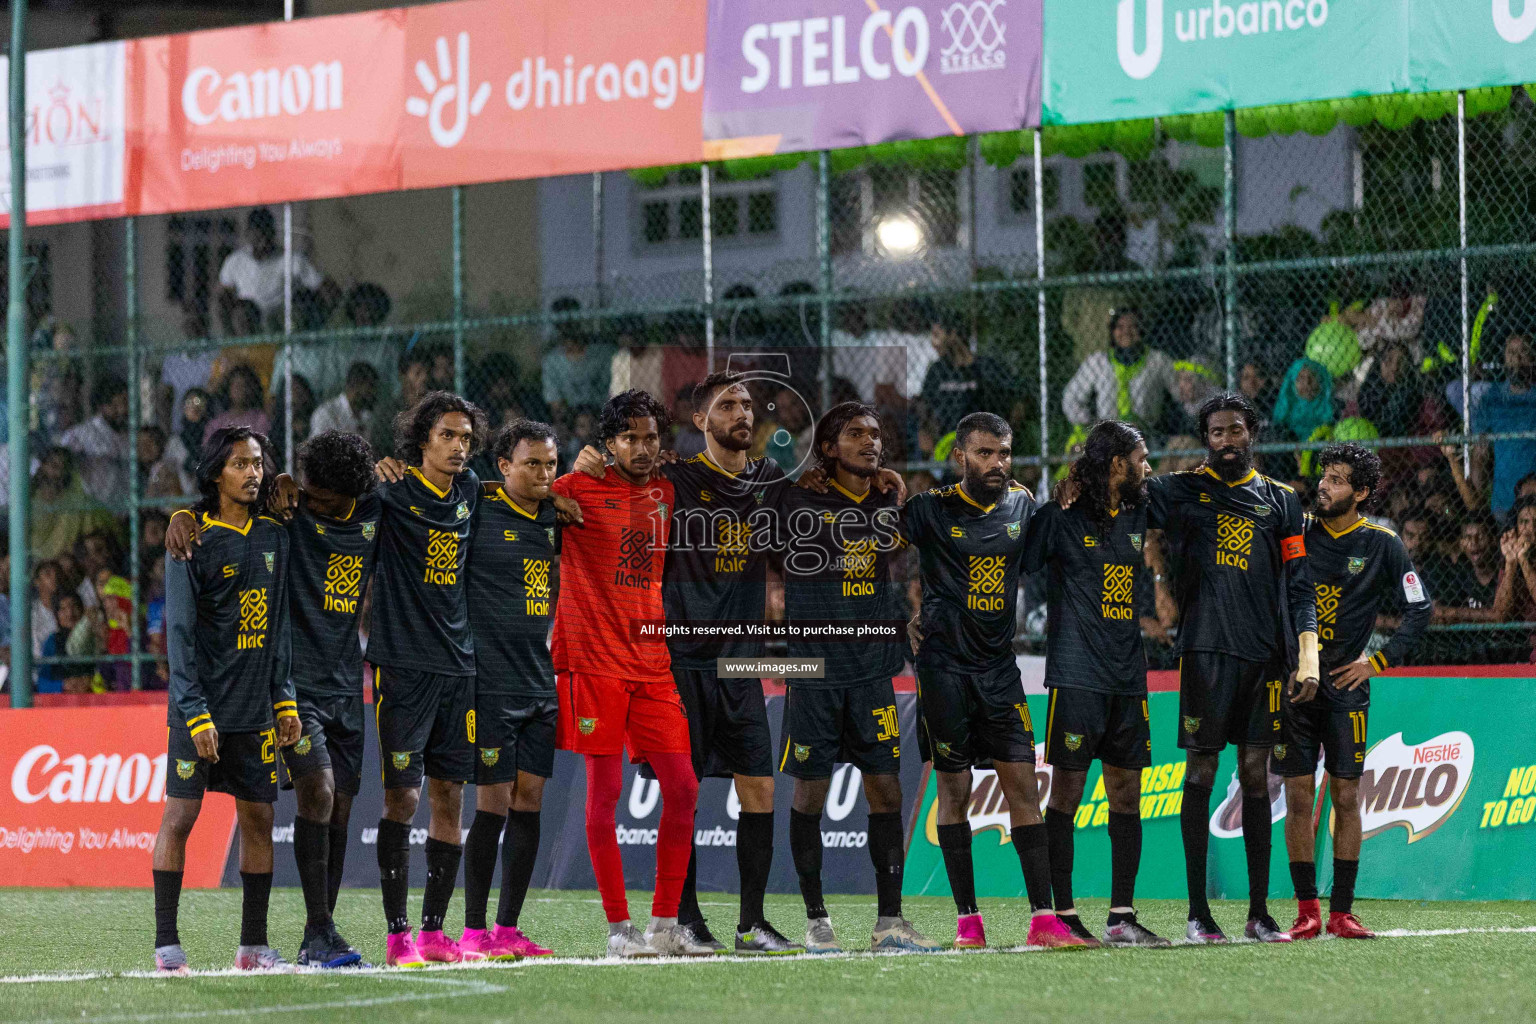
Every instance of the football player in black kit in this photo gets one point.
(1096, 670)
(971, 540)
(512, 574)
(1245, 605)
(1358, 569)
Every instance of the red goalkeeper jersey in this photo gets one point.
(610, 578)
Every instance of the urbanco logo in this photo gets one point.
(1139, 65)
(1511, 28)
(448, 86)
(1220, 19)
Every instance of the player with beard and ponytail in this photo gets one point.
(1246, 603)
(1095, 669)
(971, 540)
(837, 569)
(1357, 567)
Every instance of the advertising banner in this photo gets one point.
(81, 795)
(784, 77)
(1448, 795)
(1459, 44)
(76, 131)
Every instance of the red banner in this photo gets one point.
(81, 795)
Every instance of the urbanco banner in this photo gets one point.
(784, 77)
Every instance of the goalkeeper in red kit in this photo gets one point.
(615, 685)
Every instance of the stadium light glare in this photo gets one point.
(899, 236)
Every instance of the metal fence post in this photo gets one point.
(1045, 415)
(17, 391)
(824, 261)
(1466, 296)
(1229, 242)
(131, 331)
(458, 288)
(707, 231)
(599, 272)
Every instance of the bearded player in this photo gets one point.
(1358, 569)
(1245, 603)
(613, 673)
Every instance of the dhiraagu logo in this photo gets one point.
(1217, 20)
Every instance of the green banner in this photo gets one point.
(1448, 798)
(1462, 44)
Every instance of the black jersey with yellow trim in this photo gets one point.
(1096, 592)
(420, 617)
(1243, 588)
(331, 563)
(1359, 573)
(969, 557)
(227, 628)
(512, 576)
(722, 529)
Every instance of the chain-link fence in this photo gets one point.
(1355, 283)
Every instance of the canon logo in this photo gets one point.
(41, 773)
(207, 96)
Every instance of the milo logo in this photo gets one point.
(1415, 787)
(988, 807)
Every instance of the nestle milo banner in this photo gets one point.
(1448, 792)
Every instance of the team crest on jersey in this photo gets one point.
(271, 557)
(1191, 724)
(489, 756)
(662, 508)
(1356, 565)
(1136, 541)
(802, 752)
(587, 726)
(368, 529)
(762, 492)
(302, 747)
(185, 769)
(1279, 751)
(1073, 740)
(943, 749)
(549, 531)
(401, 759)
(1013, 531)
(462, 512)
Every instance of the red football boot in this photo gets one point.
(1348, 926)
(1309, 920)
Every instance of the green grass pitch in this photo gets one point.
(1483, 973)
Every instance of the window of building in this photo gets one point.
(195, 248)
(861, 198)
(1021, 191)
(672, 212)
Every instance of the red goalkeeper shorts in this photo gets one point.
(604, 714)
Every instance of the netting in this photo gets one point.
(1332, 272)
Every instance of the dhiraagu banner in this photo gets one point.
(1448, 798)
(1108, 60)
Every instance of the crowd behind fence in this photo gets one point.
(1369, 285)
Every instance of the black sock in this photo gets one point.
(886, 851)
(754, 860)
(442, 874)
(805, 848)
(688, 911)
(480, 865)
(1124, 858)
(310, 840)
(1194, 822)
(394, 850)
(1304, 879)
(1257, 842)
(257, 892)
(167, 902)
(1059, 841)
(336, 862)
(1342, 899)
(955, 845)
(1033, 848)
(518, 851)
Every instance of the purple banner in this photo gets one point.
(785, 76)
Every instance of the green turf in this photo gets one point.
(1396, 979)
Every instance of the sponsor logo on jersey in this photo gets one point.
(185, 769)
(1090, 542)
(1413, 590)
(1136, 541)
(1234, 541)
(1356, 565)
(802, 752)
(1073, 740)
(320, 529)
(401, 759)
(368, 530)
(489, 756)
(706, 496)
(271, 557)
(302, 747)
(1191, 724)
(586, 726)
(1415, 787)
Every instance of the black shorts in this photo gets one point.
(829, 725)
(727, 724)
(1338, 732)
(514, 734)
(332, 739)
(974, 717)
(1224, 700)
(1081, 725)
(246, 769)
(426, 726)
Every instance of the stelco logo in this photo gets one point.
(1415, 788)
(41, 773)
(1220, 20)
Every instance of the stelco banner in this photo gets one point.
(785, 77)
(1448, 797)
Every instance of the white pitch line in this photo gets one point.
(536, 963)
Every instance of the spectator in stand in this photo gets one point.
(1525, 487)
(157, 675)
(961, 381)
(56, 531)
(1397, 318)
(413, 373)
(181, 372)
(1085, 311)
(1414, 531)
(501, 394)
(1392, 396)
(325, 365)
(1507, 407)
(114, 597)
(100, 444)
(47, 584)
(689, 440)
(1472, 577)
(152, 524)
(57, 378)
(240, 403)
(252, 277)
(1254, 382)
(159, 473)
(1305, 401)
(74, 636)
(185, 448)
(303, 413)
(1516, 597)
(787, 430)
(1193, 383)
(583, 433)
(635, 364)
(1129, 381)
(351, 411)
(576, 373)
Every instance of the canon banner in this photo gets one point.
(784, 77)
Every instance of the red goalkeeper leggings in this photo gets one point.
(674, 839)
